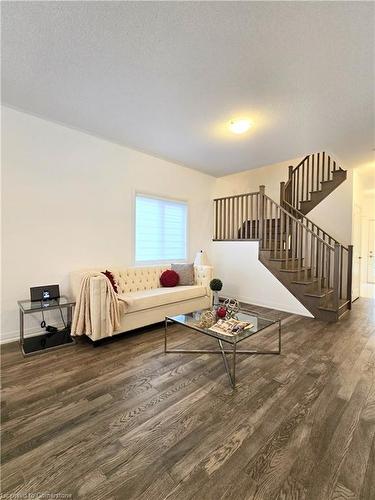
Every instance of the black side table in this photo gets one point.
(45, 342)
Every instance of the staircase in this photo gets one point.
(312, 180)
(309, 262)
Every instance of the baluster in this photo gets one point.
(278, 244)
(226, 218)
(319, 263)
(324, 249)
(305, 254)
(271, 226)
(336, 276)
(312, 172)
(311, 262)
(317, 170)
(251, 232)
(244, 214)
(223, 235)
(293, 240)
(218, 208)
(247, 218)
(261, 215)
(298, 189)
(236, 218)
(255, 212)
(329, 168)
(329, 269)
(268, 242)
(303, 181)
(219, 222)
(282, 231)
(349, 275)
(232, 218)
(223, 218)
(215, 218)
(308, 179)
(239, 217)
(287, 222)
(341, 273)
(257, 216)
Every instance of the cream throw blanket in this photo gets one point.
(81, 324)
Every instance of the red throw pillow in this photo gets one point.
(111, 279)
(169, 278)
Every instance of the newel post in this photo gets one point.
(350, 272)
(290, 171)
(282, 193)
(336, 275)
(262, 190)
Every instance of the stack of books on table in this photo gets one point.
(230, 327)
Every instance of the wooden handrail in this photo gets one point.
(300, 163)
(299, 222)
(300, 214)
(235, 196)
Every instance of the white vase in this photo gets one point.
(216, 298)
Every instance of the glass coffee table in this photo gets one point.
(191, 321)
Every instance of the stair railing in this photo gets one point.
(255, 216)
(230, 214)
(305, 220)
(307, 177)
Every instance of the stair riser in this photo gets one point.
(311, 303)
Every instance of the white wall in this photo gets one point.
(334, 214)
(67, 203)
(364, 199)
(250, 180)
(246, 279)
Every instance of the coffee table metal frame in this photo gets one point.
(234, 351)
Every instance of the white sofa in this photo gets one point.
(148, 302)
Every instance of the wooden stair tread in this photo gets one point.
(308, 281)
(319, 293)
(295, 270)
(330, 306)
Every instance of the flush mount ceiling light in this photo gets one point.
(239, 126)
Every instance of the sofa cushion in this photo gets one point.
(169, 278)
(111, 278)
(185, 272)
(146, 299)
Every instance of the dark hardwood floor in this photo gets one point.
(126, 421)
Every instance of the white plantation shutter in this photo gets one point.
(160, 229)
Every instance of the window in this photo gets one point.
(160, 229)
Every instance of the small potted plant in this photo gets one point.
(216, 285)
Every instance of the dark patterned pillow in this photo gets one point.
(111, 279)
(185, 272)
(169, 278)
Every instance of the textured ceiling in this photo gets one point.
(165, 77)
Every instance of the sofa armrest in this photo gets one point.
(98, 313)
(203, 276)
(99, 325)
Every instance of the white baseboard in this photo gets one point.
(273, 305)
(14, 336)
